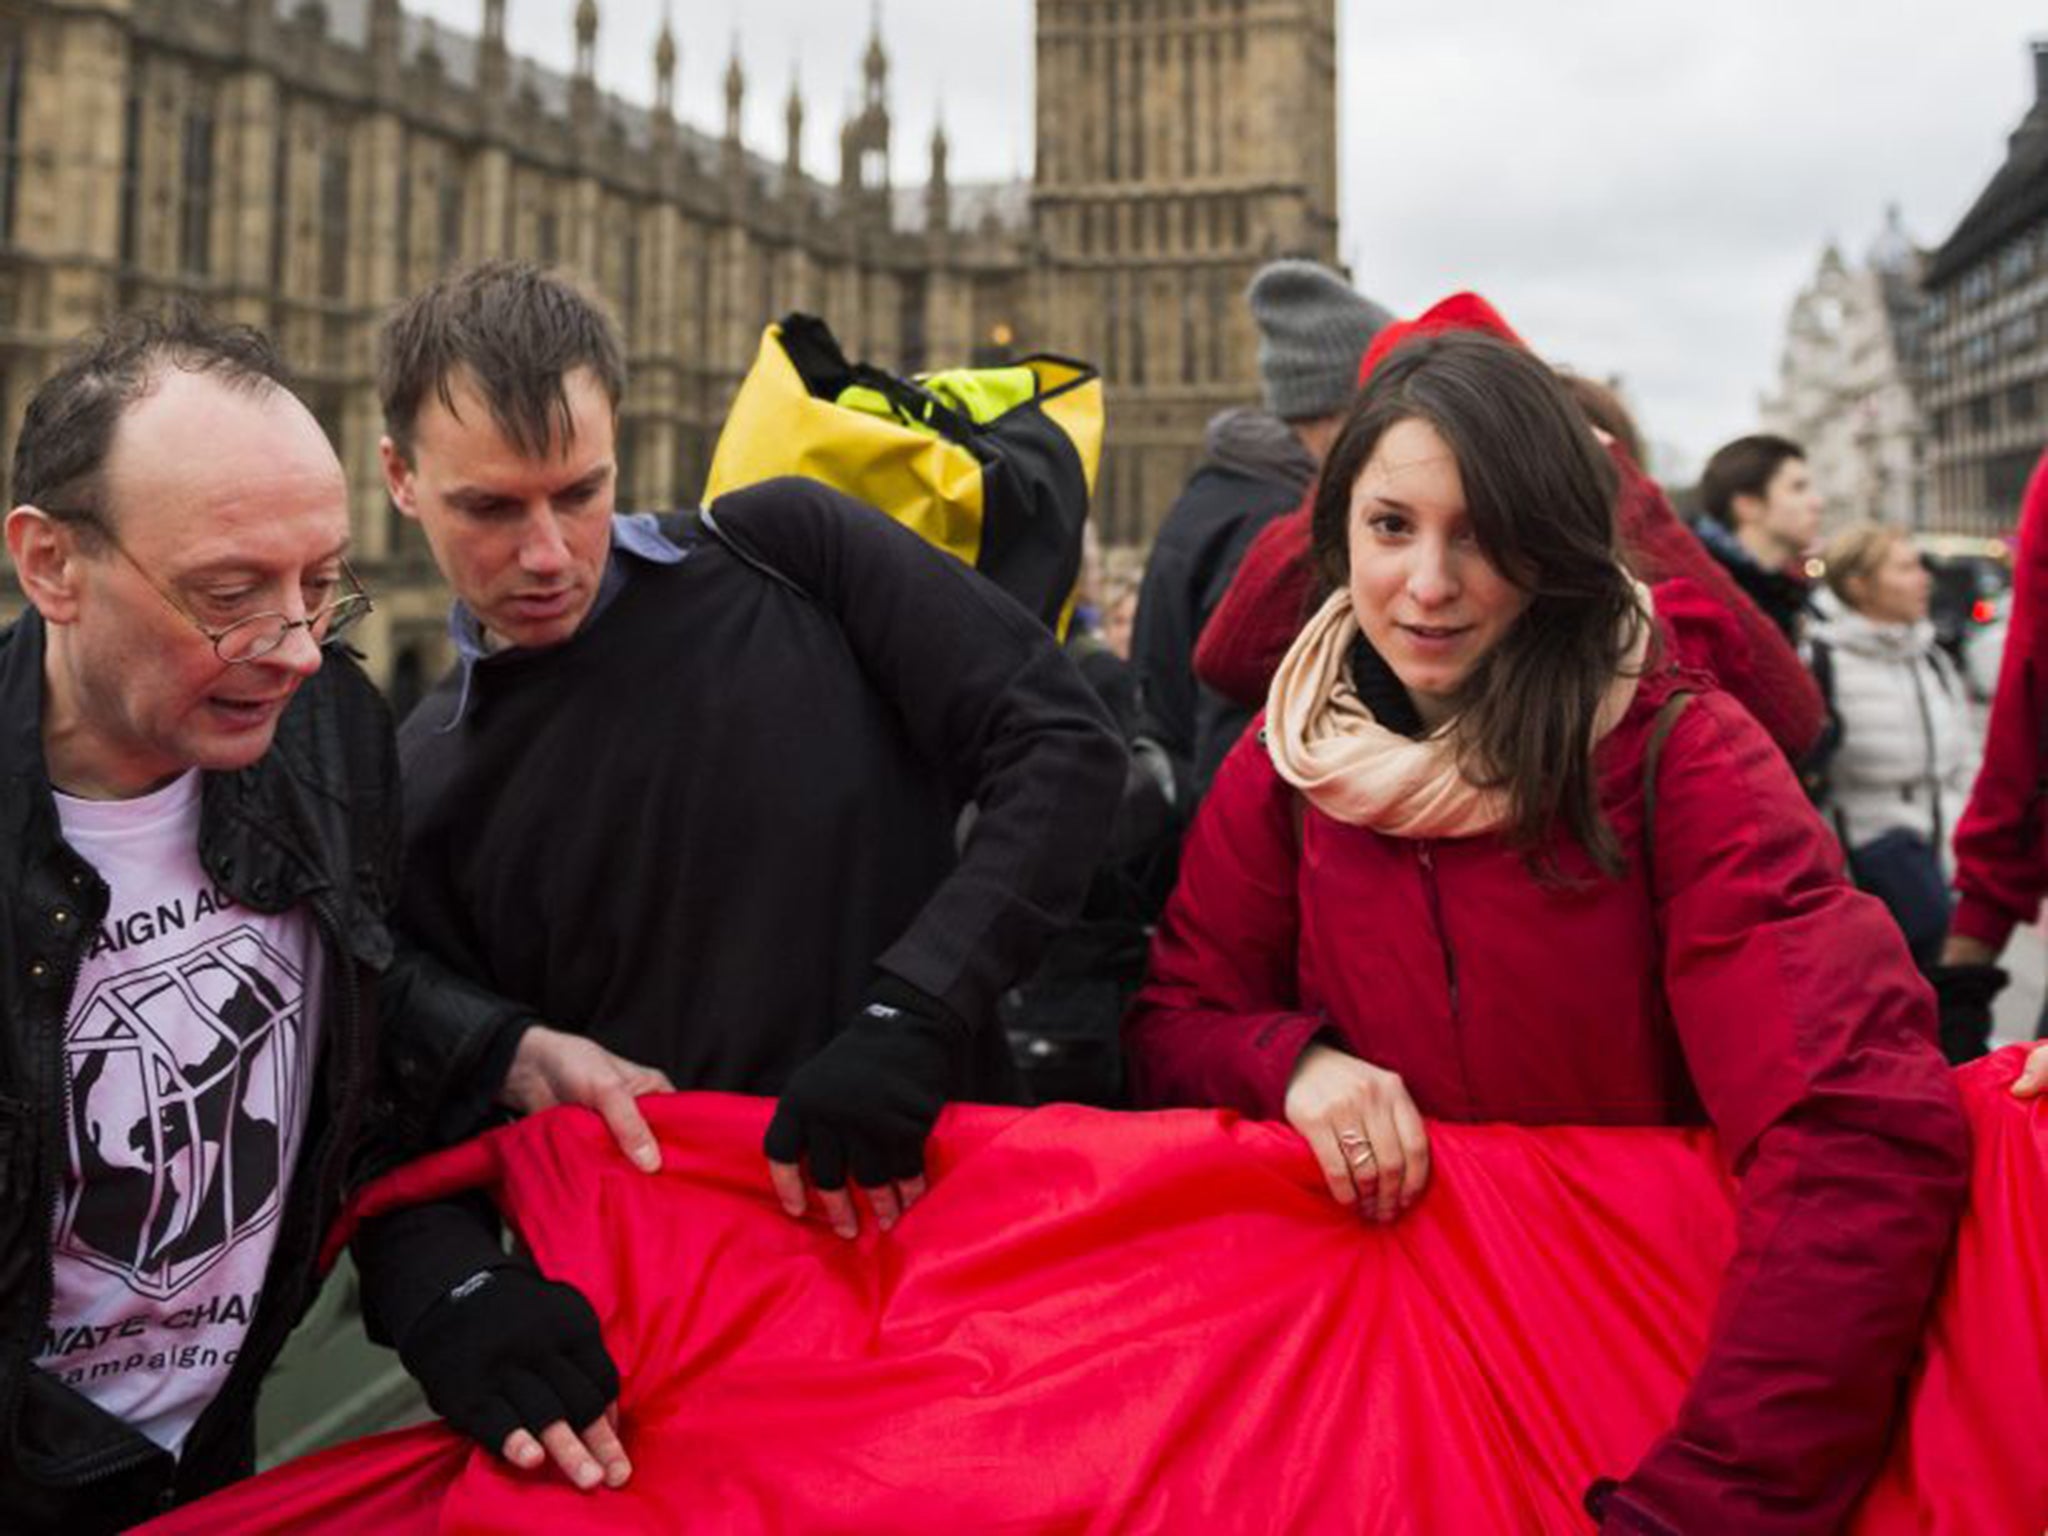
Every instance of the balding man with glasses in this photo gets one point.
(199, 803)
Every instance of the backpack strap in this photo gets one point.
(1813, 768)
(739, 551)
(1820, 660)
(1653, 755)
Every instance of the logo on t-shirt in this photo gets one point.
(182, 1072)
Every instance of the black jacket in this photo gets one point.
(1199, 548)
(313, 824)
(1785, 596)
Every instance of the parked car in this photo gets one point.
(1984, 645)
(1970, 602)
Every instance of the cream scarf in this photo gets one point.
(1326, 743)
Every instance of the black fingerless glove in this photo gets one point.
(1963, 994)
(508, 1349)
(866, 1102)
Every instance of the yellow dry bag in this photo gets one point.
(993, 465)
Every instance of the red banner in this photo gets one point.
(1116, 1322)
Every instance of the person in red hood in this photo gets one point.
(2001, 842)
(1713, 624)
(1493, 857)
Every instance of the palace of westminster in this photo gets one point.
(303, 164)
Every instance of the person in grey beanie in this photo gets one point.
(1256, 465)
(1313, 328)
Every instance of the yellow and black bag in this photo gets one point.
(993, 465)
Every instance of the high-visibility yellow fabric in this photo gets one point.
(777, 427)
(862, 444)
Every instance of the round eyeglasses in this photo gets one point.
(254, 637)
(257, 636)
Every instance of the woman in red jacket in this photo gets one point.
(1493, 858)
(1710, 621)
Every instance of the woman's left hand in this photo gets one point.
(1363, 1128)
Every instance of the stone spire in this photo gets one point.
(793, 125)
(864, 142)
(875, 66)
(493, 63)
(586, 39)
(938, 197)
(735, 93)
(1892, 251)
(386, 32)
(665, 66)
(385, 24)
(583, 85)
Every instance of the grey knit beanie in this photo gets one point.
(1313, 329)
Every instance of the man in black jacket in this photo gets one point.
(1256, 466)
(693, 789)
(1760, 515)
(199, 803)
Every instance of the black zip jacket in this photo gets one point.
(702, 828)
(315, 825)
(1199, 548)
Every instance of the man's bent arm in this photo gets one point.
(986, 694)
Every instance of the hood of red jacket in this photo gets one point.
(1459, 312)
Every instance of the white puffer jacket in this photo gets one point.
(1909, 747)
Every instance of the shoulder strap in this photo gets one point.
(1653, 754)
(1821, 662)
(1813, 768)
(1945, 673)
(746, 556)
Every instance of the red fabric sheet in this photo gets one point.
(1160, 1322)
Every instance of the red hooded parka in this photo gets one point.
(1729, 974)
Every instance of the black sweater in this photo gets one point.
(697, 830)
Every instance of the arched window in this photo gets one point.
(449, 213)
(131, 175)
(280, 204)
(334, 221)
(195, 189)
(10, 131)
(402, 214)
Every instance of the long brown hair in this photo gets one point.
(1540, 492)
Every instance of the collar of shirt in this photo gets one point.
(636, 536)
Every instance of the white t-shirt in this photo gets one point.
(188, 1057)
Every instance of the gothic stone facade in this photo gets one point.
(302, 165)
(1846, 383)
(1986, 336)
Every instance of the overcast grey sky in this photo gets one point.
(1641, 185)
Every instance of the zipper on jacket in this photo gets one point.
(340, 1036)
(1427, 855)
(115, 1459)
